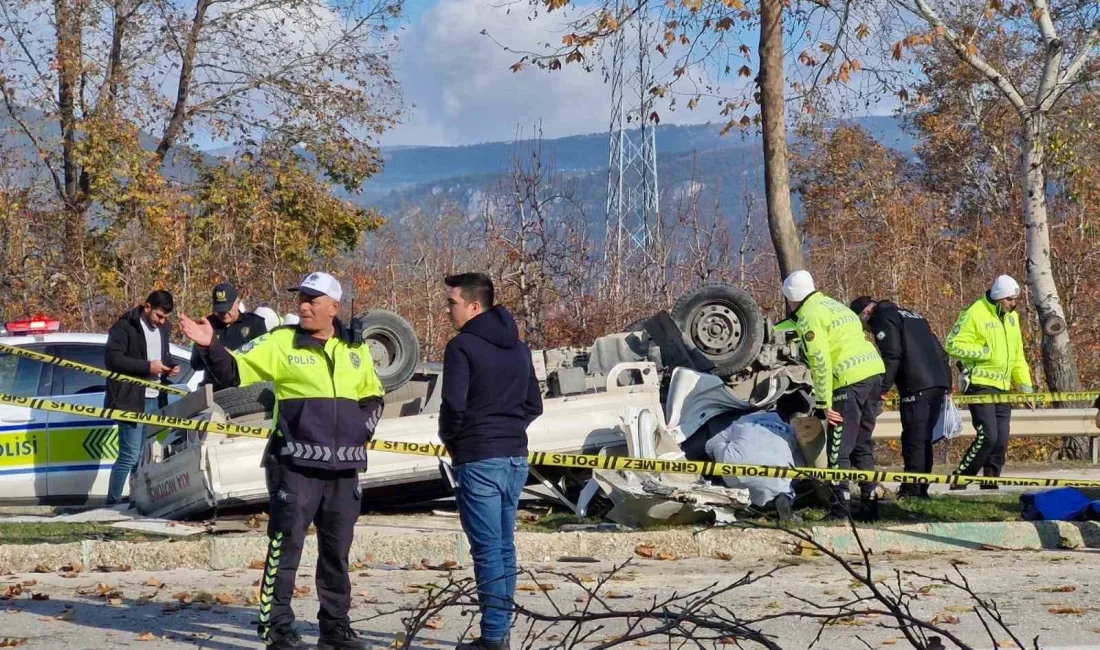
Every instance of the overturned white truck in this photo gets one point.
(716, 329)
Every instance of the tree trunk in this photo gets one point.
(777, 182)
(1059, 358)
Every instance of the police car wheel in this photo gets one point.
(393, 346)
(724, 323)
(239, 402)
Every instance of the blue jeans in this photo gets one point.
(130, 439)
(488, 496)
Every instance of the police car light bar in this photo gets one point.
(36, 325)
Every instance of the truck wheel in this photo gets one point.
(238, 402)
(393, 346)
(724, 323)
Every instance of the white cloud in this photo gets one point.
(459, 88)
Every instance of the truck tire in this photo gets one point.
(239, 402)
(724, 323)
(393, 346)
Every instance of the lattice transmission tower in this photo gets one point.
(633, 219)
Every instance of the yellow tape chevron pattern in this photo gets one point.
(92, 370)
(584, 461)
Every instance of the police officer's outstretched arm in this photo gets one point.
(255, 362)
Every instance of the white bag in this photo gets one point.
(950, 423)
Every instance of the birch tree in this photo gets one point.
(1057, 45)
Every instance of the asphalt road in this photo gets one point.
(1052, 595)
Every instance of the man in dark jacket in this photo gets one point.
(917, 362)
(137, 345)
(232, 327)
(490, 396)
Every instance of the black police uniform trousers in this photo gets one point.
(301, 496)
(849, 444)
(919, 414)
(991, 425)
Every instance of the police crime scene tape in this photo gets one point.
(1016, 399)
(583, 461)
(92, 370)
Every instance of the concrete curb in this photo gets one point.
(401, 547)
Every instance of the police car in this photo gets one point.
(55, 458)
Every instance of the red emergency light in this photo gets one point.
(39, 324)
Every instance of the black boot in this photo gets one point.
(867, 511)
(286, 639)
(485, 644)
(342, 638)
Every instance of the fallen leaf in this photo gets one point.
(11, 641)
(256, 564)
(225, 598)
(449, 564)
(645, 550)
(72, 574)
(153, 582)
(1007, 644)
(721, 555)
(399, 640)
(775, 604)
(890, 641)
(29, 583)
(581, 599)
(1065, 589)
(300, 592)
(728, 640)
(616, 595)
(72, 567)
(666, 555)
(183, 597)
(147, 636)
(202, 635)
(429, 642)
(40, 596)
(545, 586)
(66, 615)
(254, 597)
(41, 568)
(434, 623)
(1068, 610)
(643, 643)
(114, 601)
(111, 568)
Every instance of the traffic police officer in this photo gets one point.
(328, 402)
(232, 327)
(990, 348)
(847, 374)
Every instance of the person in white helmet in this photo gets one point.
(989, 346)
(847, 373)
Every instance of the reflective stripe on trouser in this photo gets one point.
(849, 444)
(991, 427)
(303, 496)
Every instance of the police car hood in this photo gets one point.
(495, 326)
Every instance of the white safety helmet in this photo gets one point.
(271, 319)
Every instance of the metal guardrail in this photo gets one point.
(1048, 423)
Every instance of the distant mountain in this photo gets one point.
(693, 161)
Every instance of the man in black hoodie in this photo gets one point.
(918, 363)
(490, 396)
